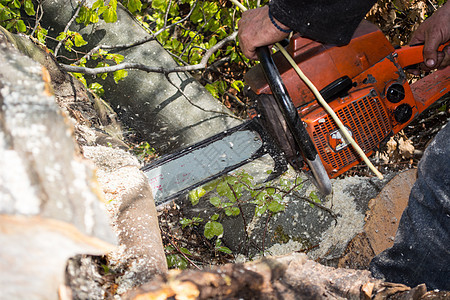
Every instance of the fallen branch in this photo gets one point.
(138, 66)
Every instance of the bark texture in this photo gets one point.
(288, 277)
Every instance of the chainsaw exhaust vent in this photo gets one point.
(365, 118)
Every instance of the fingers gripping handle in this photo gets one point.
(413, 55)
(295, 124)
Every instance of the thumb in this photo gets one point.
(430, 52)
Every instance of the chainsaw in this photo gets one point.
(365, 84)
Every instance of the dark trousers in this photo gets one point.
(421, 250)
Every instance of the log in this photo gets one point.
(287, 277)
(50, 208)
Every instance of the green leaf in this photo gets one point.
(93, 17)
(20, 26)
(260, 210)
(61, 36)
(119, 75)
(261, 196)
(185, 251)
(214, 217)
(224, 190)
(134, 5)
(176, 261)
(98, 4)
(113, 4)
(232, 211)
(118, 58)
(102, 10)
(215, 201)
(212, 229)
(314, 198)
(220, 248)
(224, 249)
(97, 88)
(237, 84)
(159, 4)
(41, 34)
(83, 16)
(80, 77)
(78, 40)
(29, 8)
(195, 195)
(110, 16)
(190, 222)
(213, 90)
(274, 206)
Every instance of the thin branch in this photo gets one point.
(38, 17)
(184, 255)
(264, 235)
(75, 15)
(195, 105)
(296, 194)
(166, 16)
(142, 67)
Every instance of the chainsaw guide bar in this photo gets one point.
(176, 174)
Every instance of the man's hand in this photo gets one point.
(433, 32)
(256, 30)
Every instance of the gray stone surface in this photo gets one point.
(147, 101)
(324, 234)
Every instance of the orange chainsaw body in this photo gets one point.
(378, 103)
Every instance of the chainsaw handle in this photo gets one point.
(413, 55)
(295, 124)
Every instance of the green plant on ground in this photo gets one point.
(267, 199)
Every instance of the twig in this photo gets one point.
(264, 234)
(292, 188)
(431, 3)
(297, 194)
(75, 15)
(240, 208)
(184, 255)
(195, 105)
(142, 67)
(38, 17)
(306, 250)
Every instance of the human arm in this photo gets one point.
(326, 21)
(433, 32)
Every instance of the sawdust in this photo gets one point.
(116, 173)
(349, 221)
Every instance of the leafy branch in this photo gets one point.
(138, 66)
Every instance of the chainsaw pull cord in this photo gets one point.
(325, 105)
